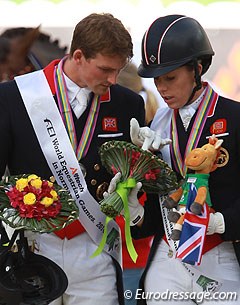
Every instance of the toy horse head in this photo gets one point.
(204, 159)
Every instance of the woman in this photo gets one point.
(176, 52)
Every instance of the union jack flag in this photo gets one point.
(109, 124)
(193, 232)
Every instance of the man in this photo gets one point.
(46, 140)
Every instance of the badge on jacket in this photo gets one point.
(219, 126)
(109, 124)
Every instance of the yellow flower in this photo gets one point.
(37, 183)
(47, 201)
(21, 184)
(54, 195)
(29, 198)
(32, 177)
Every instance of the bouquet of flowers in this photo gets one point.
(31, 203)
(135, 165)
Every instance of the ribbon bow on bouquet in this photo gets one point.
(135, 165)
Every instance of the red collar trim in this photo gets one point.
(214, 104)
(49, 73)
(106, 97)
(213, 107)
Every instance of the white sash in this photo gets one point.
(58, 151)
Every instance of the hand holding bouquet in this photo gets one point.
(28, 202)
(135, 165)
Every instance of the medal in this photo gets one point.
(223, 157)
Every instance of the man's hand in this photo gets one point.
(216, 224)
(112, 185)
(145, 137)
(136, 210)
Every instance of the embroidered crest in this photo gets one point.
(109, 124)
(219, 126)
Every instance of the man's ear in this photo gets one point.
(78, 56)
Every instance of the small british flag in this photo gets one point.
(193, 232)
(109, 124)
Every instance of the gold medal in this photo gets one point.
(223, 157)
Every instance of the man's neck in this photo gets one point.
(70, 69)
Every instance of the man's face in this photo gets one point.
(99, 73)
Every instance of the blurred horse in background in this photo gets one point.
(24, 50)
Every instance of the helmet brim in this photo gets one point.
(156, 71)
(34, 266)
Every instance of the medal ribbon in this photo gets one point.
(80, 149)
(209, 99)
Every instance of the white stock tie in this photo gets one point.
(79, 104)
(186, 114)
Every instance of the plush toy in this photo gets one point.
(201, 161)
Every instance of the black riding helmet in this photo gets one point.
(171, 42)
(27, 278)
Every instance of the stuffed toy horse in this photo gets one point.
(201, 161)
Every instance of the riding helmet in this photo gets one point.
(171, 42)
(27, 278)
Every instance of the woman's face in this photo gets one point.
(176, 86)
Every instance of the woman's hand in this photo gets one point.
(145, 137)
